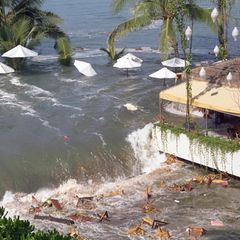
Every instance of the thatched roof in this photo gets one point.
(216, 73)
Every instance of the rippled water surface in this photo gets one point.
(58, 125)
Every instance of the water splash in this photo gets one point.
(146, 149)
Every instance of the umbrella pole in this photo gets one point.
(127, 72)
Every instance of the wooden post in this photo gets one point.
(161, 109)
(206, 121)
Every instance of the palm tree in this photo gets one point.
(224, 8)
(146, 11)
(23, 22)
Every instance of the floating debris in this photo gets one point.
(86, 203)
(73, 232)
(147, 221)
(158, 224)
(149, 208)
(208, 179)
(54, 219)
(170, 159)
(80, 218)
(34, 210)
(130, 107)
(138, 230)
(148, 193)
(195, 231)
(56, 204)
(223, 183)
(115, 193)
(103, 216)
(162, 233)
(217, 223)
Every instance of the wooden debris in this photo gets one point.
(162, 233)
(217, 223)
(148, 193)
(180, 188)
(80, 218)
(162, 184)
(54, 219)
(188, 186)
(223, 183)
(149, 208)
(208, 179)
(138, 230)
(158, 224)
(35, 201)
(56, 204)
(73, 232)
(175, 188)
(148, 221)
(170, 159)
(86, 202)
(195, 231)
(103, 216)
(34, 210)
(115, 193)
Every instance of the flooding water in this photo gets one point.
(58, 125)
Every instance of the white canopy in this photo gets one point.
(175, 62)
(163, 73)
(20, 52)
(128, 61)
(85, 68)
(132, 57)
(5, 69)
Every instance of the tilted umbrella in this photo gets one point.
(85, 68)
(20, 52)
(128, 61)
(175, 62)
(163, 73)
(5, 69)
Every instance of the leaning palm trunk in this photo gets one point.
(222, 29)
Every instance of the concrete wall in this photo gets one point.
(191, 150)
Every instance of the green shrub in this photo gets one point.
(16, 229)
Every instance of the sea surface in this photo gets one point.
(60, 127)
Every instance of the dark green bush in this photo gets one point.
(16, 229)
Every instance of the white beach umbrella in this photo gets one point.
(132, 57)
(163, 73)
(128, 61)
(5, 69)
(175, 62)
(20, 52)
(85, 68)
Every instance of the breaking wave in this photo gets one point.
(146, 149)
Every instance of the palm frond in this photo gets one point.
(65, 51)
(167, 37)
(118, 5)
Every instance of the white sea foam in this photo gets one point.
(142, 50)
(180, 109)
(44, 58)
(32, 90)
(145, 148)
(87, 53)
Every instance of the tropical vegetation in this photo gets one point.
(147, 11)
(24, 22)
(17, 229)
(224, 8)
